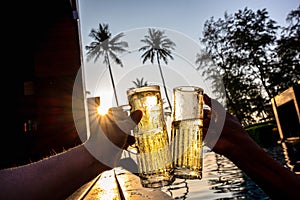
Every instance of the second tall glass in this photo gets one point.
(187, 132)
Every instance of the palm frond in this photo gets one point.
(104, 45)
(159, 46)
(140, 82)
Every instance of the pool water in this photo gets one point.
(222, 179)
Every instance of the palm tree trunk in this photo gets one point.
(163, 80)
(112, 80)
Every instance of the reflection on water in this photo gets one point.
(291, 150)
(179, 189)
(224, 180)
(221, 180)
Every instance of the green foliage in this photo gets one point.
(244, 50)
(264, 133)
(288, 51)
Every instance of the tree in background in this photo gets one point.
(108, 47)
(159, 46)
(241, 48)
(140, 83)
(288, 52)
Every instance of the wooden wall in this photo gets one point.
(40, 120)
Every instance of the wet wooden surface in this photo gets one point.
(118, 184)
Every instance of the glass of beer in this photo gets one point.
(187, 132)
(154, 157)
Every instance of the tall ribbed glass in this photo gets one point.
(154, 157)
(187, 132)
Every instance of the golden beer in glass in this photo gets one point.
(154, 157)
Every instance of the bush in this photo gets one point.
(264, 133)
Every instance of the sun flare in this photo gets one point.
(102, 110)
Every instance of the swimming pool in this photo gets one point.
(221, 179)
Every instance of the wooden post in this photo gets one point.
(287, 112)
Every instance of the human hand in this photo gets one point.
(225, 135)
(222, 131)
(107, 143)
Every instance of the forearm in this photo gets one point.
(54, 178)
(278, 182)
(235, 143)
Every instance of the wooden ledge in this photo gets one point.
(118, 184)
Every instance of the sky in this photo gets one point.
(183, 22)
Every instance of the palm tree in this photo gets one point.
(108, 47)
(157, 46)
(140, 83)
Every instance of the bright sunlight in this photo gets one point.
(102, 110)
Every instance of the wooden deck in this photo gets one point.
(118, 184)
